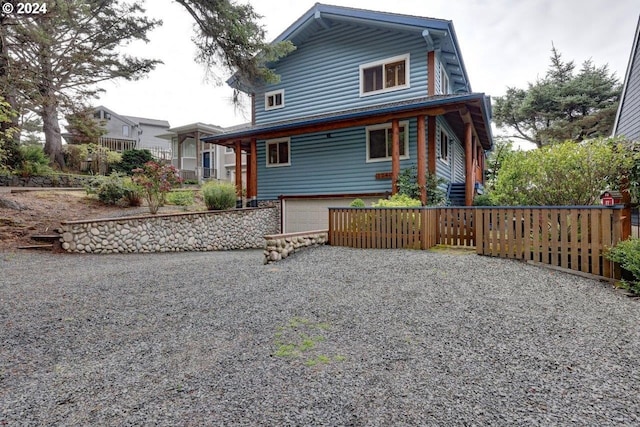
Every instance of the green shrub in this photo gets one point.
(219, 195)
(133, 159)
(133, 193)
(357, 203)
(483, 200)
(627, 254)
(180, 197)
(398, 201)
(408, 185)
(34, 161)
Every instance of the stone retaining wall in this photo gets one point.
(280, 246)
(200, 231)
(68, 181)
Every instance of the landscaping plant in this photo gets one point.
(219, 195)
(627, 254)
(156, 180)
(180, 198)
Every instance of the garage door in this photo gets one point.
(312, 214)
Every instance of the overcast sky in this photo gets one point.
(503, 43)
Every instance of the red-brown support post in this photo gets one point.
(238, 152)
(468, 154)
(395, 155)
(422, 159)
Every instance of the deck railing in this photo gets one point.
(573, 238)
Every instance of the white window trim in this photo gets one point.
(449, 140)
(388, 126)
(445, 85)
(266, 152)
(407, 66)
(273, 93)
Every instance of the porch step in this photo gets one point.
(45, 237)
(50, 242)
(456, 194)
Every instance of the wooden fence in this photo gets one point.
(567, 237)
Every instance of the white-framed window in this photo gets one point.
(274, 99)
(380, 145)
(444, 146)
(384, 76)
(445, 88)
(125, 130)
(278, 152)
(229, 149)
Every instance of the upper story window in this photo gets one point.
(445, 88)
(384, 76)
(274, 99)
(379, 142)
(444, 146)
(278, 152)
(125, 130)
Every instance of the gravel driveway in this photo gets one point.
(331, 336)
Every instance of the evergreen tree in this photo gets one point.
(564, 105)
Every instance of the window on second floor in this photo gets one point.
(445, 89)
(125, 130)
(383, 76)
(274, 99)
(444, 146)
(278, 152)
(379, 142)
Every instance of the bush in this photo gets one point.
(357, 203)
(133, 159)
(627, 254)
(133, 193)
(483, 200)
(219, 195)
(398, 201)
(180, 197)
(109, 189)
(156, 180)
(34, 161)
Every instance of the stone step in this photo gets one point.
(46, 237)
(37, 247)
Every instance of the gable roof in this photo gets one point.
(438, 34)
(628, 117)
(146, 121)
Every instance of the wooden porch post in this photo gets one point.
(422, 159)
(249, 180)
(468, 156)
(395, 155)
(253, 167)
(238, 152)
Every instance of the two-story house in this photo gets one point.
(129, 132)
(364, 95)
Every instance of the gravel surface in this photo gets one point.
(330, 336)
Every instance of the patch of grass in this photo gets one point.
(299, 338)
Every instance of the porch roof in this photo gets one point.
(457, 109)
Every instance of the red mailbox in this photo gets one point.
(610, 198)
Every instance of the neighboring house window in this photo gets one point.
(125, 130)
(278, 153)
(274, 100)
(383, 76)
(97, 114)
(444, 81)
(229, 150)
(380, 144)
(444, 146)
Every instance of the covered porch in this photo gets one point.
(468, 115)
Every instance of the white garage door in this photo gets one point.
(312, 214)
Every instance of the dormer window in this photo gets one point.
(384, 76)
(274, 100)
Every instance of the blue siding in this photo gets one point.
(321, 165)
(629, 120)
(322, 75)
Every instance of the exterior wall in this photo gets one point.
(201, 231)
(335, 163)
(629, 120)
(114, 129)
(148, 138)
(330, 80)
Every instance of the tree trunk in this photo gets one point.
(51, 129)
